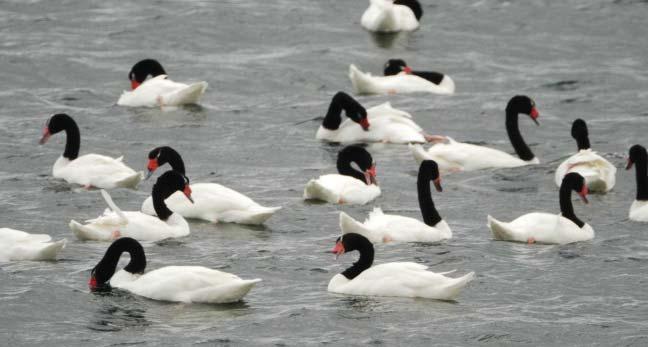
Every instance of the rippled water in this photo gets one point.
(271, 64)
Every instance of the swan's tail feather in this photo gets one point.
(227, 293)
(113, 206)
(51, 250)
(253, 216)
(455, 286)
(360, 81)
(189, 95)
(349, 225)
(314, 190)
(418, 152)
(85, 233)
(499, 229)
(131, 181)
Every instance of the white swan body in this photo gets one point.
(639, 211)
(340, 189)
(215, 203)
(459, 156)
(380, 227)
(599, 173)
(161, 91)
(94, 170)
(404, 279)
(385, 16)
(387, 125)
(187, 284)
(19, 245)
(540, 227)
(365, 83)
(114, 224)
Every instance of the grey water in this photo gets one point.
(271, 64)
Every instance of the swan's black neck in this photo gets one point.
(171, 156)
(63, 122)
(366, 251)
(583, 142)
(342, 101)
(521, 148)
(414, 5)
(432, 76)
(344, 168)
(105, 269)
(642, 180)
(430, 215)
(580, 134)
(566, 207)
(159, 194)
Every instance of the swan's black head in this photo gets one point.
(172, 181)
(56, 124)
(362, 158)
(429, 171)
(395, 66)
(580, 134)
(144, 68)
(637, 154)
(105, 269)
(164, 155)
(350, 242)
(525, 105)
(577, 183)
(414, 5)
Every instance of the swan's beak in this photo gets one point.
(534, 115)
(407, 70)
(629, 164)
(151, 167)
(46, 136)
(149, 173)
(364, 123)
(134, 84)
(583, 193)
(437, 184)
(370, 175)
(338, 249)
(187, 192)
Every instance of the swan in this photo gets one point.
(89, 170)
(159, 90)
(350, 186)
(211, 202)
(406, 81)
(114, 223)
(19, 245)
(598, 172)
(381, 123)
(639, 208)
(549, 228)
(458, 156)
(380, 227)
(391, 279)
(186, 284)
(392, 16)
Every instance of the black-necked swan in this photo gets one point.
(388, 16)
(381, 123)
(404, 279)
(115, 223)
(19, 245)
(380, 227)
(211, 201)
(458, 156)
(546, 227)
(350, 186)
(597, 171)
(158, 90)
(399, 78)
(88, 170)
(187, 284)
(639, 208)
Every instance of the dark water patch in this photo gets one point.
(565, 85)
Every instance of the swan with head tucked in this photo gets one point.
(158, 90)
(546, 227)
(187, 284)
(381, 123)
(380, 227)
(89, 170)
(211, 202)
(400, 78)
(350, 186)
(115, 223)
(19, 245)
(458, 156)
(403, 279)
(639, 158)
(388, 16)
(597, 171)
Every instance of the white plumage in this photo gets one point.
(19, 245)
(366, 83)
(161, 91)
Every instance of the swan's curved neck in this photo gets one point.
(566, 207)
(72, 142)
(642, 179)
(341, 101)
(523, 151)
(430, 215)
(175, 161)
(363, 263)
(583, 142)
(108, 264)
(160, 194)
(344, 168)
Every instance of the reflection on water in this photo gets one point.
(118, 310)
(386, 40)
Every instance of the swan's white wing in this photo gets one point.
(95, 170)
